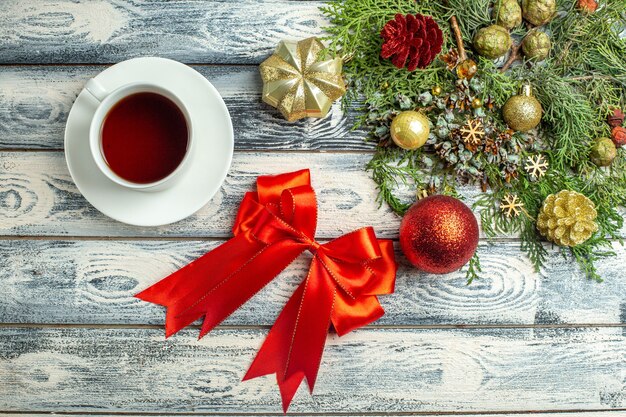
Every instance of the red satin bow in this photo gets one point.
(274, 226)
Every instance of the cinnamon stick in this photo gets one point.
(459, 38)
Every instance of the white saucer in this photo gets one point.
(209, 164)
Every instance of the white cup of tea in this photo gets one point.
(141, 135)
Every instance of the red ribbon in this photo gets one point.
(274, 226)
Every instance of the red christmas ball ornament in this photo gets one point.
(439, 234)
(411, 40)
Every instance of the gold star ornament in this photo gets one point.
(298, 83)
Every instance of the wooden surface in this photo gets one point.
(73, 340)
(92, 282)
(135, 370)
(37, 99)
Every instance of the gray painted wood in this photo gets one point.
(192, 31)
(35, 102)
(612, 413)
(383, 370)
(119, 366)
(38, 197)
(93, 282)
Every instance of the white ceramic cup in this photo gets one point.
(107, 101)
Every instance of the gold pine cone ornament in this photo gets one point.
(410, 129)
(298, 83)
(567, 218)
(522, 112)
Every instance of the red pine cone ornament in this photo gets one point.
(412, 41)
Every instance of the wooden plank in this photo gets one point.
(137, 370)
(38, 197)
(192, 31)
(35, 102)
(612, 413)
(93, 282)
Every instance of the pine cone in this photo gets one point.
(603, 152)
(413, 37)
(491, 146)
(567, 218)
(508, 13)
(616, 118)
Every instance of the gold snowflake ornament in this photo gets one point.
(473, 132)
(422, 193)
(511, 205)
(536, 166)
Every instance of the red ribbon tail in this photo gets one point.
(294, 346)
(288, 388)
(273, 226)
(250, 278)
(219, 282)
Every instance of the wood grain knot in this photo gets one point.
(96, 21)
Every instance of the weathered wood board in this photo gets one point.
(612, 413)
(382, 370)
(73, 339)
(38, 197)
(190, 31)
(35, 102)
(93, 282)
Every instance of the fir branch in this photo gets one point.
(500, 86)
(392, 168)
(569, 118)
(588, 254)
(532, 245)
(578, 85)
(473, 269)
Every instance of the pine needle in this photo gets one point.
(578, 85)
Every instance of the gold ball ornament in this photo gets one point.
(567, 218)
(477, 103)
(437, 90)
(410, 130)
(493, 41)
(603, 152)
(523, 111)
